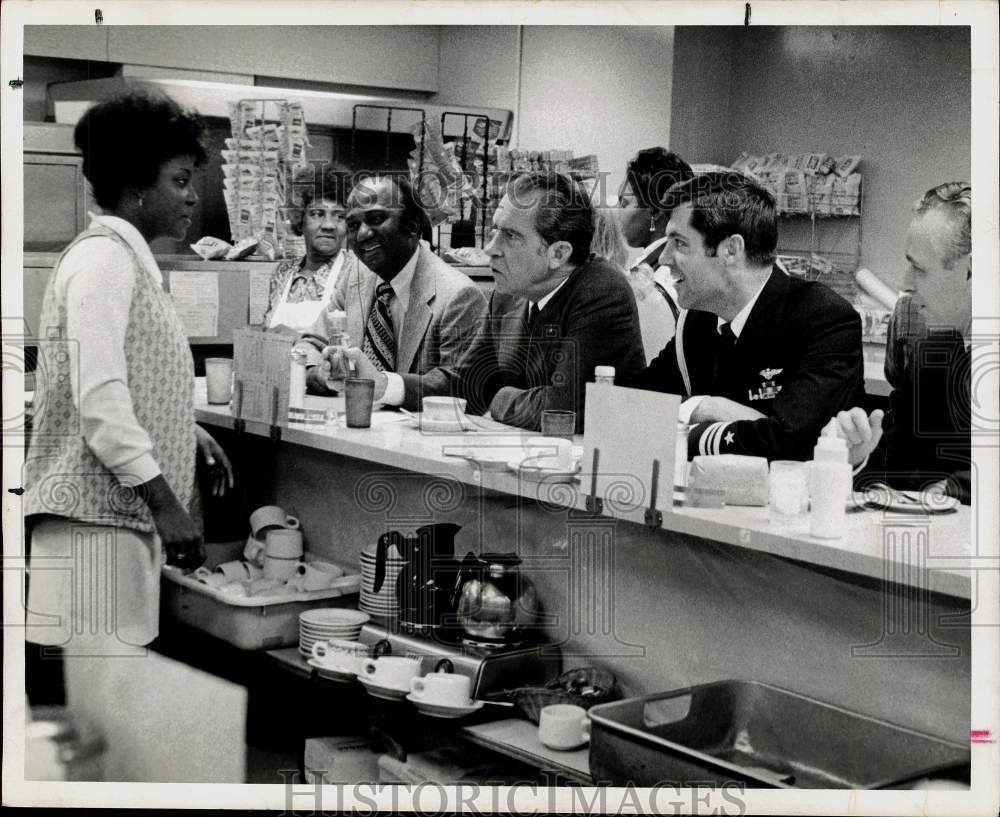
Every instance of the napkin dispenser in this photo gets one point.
(742, 479)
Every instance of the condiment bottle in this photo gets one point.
(829, 485)
(297, 380)
(604, 374)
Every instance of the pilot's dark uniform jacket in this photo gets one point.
(798, 361)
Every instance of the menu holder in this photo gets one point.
(626, 459)
(261, 365)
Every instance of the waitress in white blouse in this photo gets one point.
(303, 288)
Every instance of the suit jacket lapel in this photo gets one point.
(423, 288)
(360, 294)
(765, 315)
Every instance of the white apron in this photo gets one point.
(302, 316)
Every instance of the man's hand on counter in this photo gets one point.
(861, 431)
(333, 360)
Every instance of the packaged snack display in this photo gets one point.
(268, 139)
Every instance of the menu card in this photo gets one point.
(628, 449)
(196, 299)
(261, 362)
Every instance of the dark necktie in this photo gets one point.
(727, 339)
(380, 339)
(533, 311)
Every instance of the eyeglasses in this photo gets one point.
(949, 192)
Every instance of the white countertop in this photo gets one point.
(929, 552)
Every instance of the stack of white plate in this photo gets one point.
(325, 623)
(382, 603)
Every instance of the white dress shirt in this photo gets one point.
(95, 280)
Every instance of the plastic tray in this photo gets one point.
(761, 736)
(250, 623)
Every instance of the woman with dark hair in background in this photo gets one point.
(650, 174)
(110, 476)
(302, 288)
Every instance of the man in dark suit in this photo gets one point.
(556, 312)
(408, 310)
(926, 440)
(764, 360)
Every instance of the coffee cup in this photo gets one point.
(253, 551)
(550, 452)
(563, 726)
(236, 589)
(270, 516)
(443, 409)
(210, 577)
(444, 688)
(393, 671)
(239, 571)
(316, 575)
(338, 654)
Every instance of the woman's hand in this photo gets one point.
(215, 460)
(180, 536)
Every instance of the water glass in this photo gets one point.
(789, 488)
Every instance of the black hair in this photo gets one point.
(652, 172)
(729, 203)
(406, 199)
(564, 210)
(127, 139)
(334, 185)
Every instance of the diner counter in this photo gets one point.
(915, 550)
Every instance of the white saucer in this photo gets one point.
(446, 426)
(443, 710)
(884, 498)
(385, 693)
(487, 459)
(329, 672)
(531, 473)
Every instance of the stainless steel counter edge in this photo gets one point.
(869, 535)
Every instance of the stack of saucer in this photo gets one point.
(325, 623)
(384, 602)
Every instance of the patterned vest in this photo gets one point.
(62, 475)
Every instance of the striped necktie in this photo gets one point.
(380, 339)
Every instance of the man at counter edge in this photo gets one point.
(764, 360)
(555, 313)
(926, 442)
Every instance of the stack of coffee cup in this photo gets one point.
(263, 522)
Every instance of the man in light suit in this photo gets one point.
(406, 309)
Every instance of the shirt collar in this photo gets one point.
(543, 301)
(403, 279)
(738, 322)
(131, 236)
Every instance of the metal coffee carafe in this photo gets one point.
(425, 585)
(494, 601)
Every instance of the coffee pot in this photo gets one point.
(494, 601)
(425, 585)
